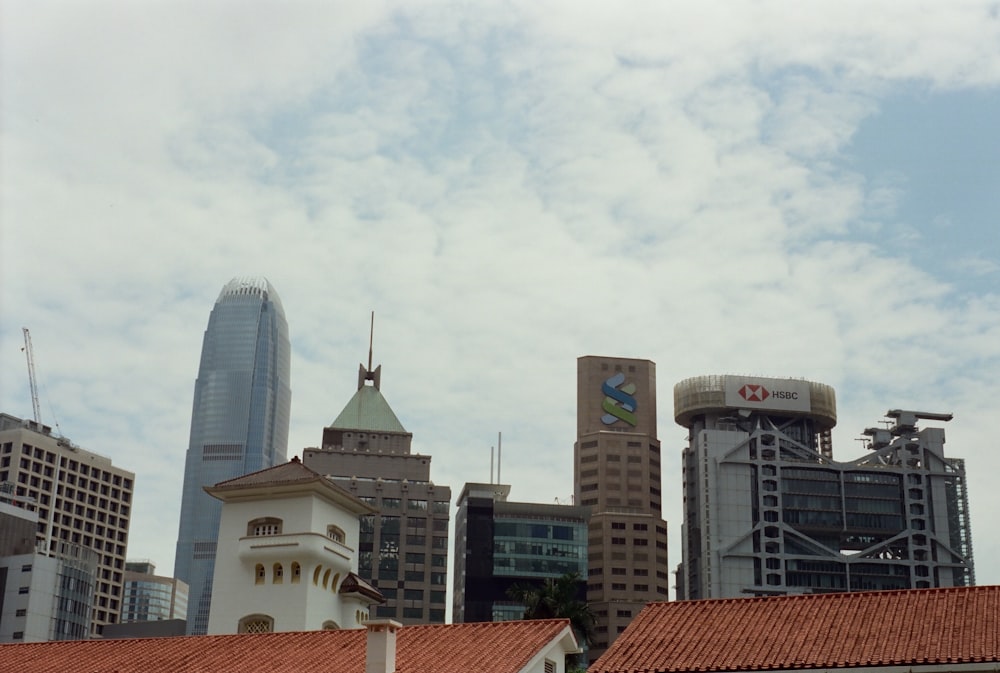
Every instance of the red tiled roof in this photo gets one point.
(958, 625)
(292, 474)
(501, 647)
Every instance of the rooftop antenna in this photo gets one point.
(491, 464)
(499, 445)
(368, 374)
(371, 340)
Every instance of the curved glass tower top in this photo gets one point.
(239, 421)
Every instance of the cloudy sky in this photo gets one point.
(773, 188)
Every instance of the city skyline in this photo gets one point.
(739, 188)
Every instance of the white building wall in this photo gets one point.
(38, 603)
(723, 493)
(313, 601)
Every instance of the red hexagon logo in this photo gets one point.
(754, 393)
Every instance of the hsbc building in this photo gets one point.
(768, 511)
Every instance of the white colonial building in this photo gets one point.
(287, 554)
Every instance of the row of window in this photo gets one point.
(321, 576)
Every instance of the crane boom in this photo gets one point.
(29, 353)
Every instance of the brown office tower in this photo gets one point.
(616, 472)
(403, 549)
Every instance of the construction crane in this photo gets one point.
(29, 353)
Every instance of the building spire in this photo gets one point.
(368, 374)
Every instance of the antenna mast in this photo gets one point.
(371, 340)
(29, 354)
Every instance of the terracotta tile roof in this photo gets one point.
(290, 475)
(355, 584)
(880, 628)
(501, 647)
(292, 472)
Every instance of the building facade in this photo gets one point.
(239, 421)
(287, 561)
(500, 544)
(44, 594)
(768, 511)
(150, 597)
(616, 474)
(403, 548)
(83, 502)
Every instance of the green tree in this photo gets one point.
(557, 598)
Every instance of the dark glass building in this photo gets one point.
(499, 544)
(768, 511)
(239, 421)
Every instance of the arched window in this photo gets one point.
(296, 572)
(278, 574)
(316, 573)
(267, 525)
(326, 578)
(333, 585)
(336, 534)
(256, 624)
(258, 573)
(330, 625)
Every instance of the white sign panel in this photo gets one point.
(757, 393)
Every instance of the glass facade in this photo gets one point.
(239, 421)
(500, 544)
(152, 599)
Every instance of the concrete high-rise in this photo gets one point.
(768, 511)
(83, 504)
(616, 473)
(403, 549)
(239, 422)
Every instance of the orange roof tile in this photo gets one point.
(290, 475)
(501, 647)
(958, 625)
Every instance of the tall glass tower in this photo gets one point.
(239, 422)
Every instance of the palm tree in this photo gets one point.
(557, 598)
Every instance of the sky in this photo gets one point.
(782, 189)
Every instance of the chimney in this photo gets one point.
(380, 648)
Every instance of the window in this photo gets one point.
(256, 624)
(259, 574)
(277, 574)
(336, 534)
(296, 572)
(264, 526)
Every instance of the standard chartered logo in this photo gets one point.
(618, 402)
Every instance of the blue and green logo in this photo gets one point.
(618, 402)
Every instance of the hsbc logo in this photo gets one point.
(752, 392)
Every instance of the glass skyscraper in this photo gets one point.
(239, 421)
